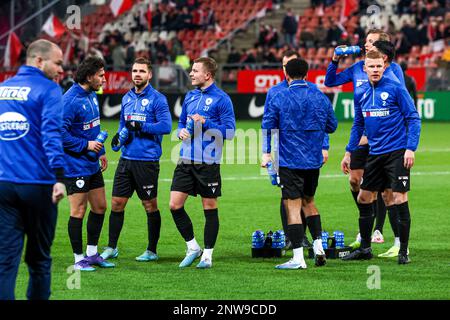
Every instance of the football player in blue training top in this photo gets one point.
(288, 55)
(84, 178)
(303, 115)
(385, 111)
(206, 120)
(31, 169)
(144, 119)
(376, 39)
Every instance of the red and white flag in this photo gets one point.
(12, 51)
(69, 51)
(120, 6)
(348, 7)
(53, 27)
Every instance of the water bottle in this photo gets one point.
(341, 243)
(258, 239)
(339, 238)
(347, 50)
(123, 137)
(272, 173)
(325, 240)
(190, 126)
(101, 137)
(278, 239)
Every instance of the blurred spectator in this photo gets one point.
(234, 56)
(185, 19)
(269, 55)
(67, 81)
(289, 28)
(157, 22)
(410, 33)
(334, 34)
(118, 55)
(344, 40)
(171, 21)
(177, 47)
(443, 31)
(209, 19)
(249, 56)
(129, 53)
(402, 45)
(320, 35)
(307, 38)
(183, 61)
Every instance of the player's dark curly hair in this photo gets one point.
(385, 47)
(89, 67)
(297, 68)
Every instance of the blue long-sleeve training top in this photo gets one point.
(31, 113)
(277, 88)
(216, 107)
(81, 124)
(303, 115)
(151, 109)
(387, 114)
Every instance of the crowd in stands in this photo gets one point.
(175, 25)
(420, 41)
(119, 48)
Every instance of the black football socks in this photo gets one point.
(404, 224)
(366, 221)
(296, 234)
(183, 223)
(380, 213)
(75, 228)
(211, 227)
(154, 229)
(115, 227)
(94, 227)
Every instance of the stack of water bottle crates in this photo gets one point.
(333, 245)
(268, 246)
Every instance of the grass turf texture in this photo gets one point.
(250, 202)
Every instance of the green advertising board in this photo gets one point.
(432, 106)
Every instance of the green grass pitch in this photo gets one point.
(248, 203)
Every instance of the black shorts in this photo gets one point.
(358, 158)
(193, 179)
(386, 171)
(84, 184)
(132, 175)
(297, 183)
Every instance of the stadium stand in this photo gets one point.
(164, 30)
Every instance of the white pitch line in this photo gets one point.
(325, 176)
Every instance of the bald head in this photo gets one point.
(40, 48)
(46, 56)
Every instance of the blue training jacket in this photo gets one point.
(81, 124)
(31, 113)
(216, 107)
(303, 115)
(387, 113)
(284, 85)
(149, 107)
(356, 74)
